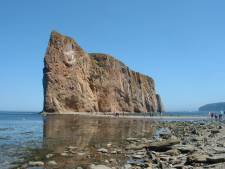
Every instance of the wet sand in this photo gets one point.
(132, 115)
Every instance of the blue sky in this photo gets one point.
(180, 43)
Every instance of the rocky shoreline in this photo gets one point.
(175, 145)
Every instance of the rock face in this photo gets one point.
(213, 107)
(75, 81)
(160, 104)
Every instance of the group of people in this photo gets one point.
(217, 116)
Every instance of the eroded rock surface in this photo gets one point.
(75, 81)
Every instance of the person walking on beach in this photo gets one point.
(212, 115)
(221, 116)
(216, 117)
(209, 115)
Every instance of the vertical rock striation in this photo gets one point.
(75, 81)
(160, 104)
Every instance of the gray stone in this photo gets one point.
(103, 150)
(173, 152)
(135, 147)
(132, 139)
(197, 158)
(65, 154)
(92, 166)
(216, 159)
(185, 148)
(138, 156)
(163, 145)
(71, 147)
(36, 163)
(215, 131)
(81, 153)
(165, 133)
(219, 150)
(52, 163)
(49, 155)
(127, 166)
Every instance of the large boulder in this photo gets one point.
(75, 81)
(163, 145)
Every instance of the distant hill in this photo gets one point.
(213, 107)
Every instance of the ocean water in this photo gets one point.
(18, 132)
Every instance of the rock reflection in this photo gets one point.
(82, 140)
(83, 130)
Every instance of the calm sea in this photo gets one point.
(18, 132)
(22, 130)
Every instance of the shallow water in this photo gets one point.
(18, 131)
(22, 130)
(87, 134)
(82, 131)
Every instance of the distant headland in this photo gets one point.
(76, 81)
(213, 107)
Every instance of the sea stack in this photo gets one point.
(77, 81)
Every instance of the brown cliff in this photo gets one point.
(75, 81)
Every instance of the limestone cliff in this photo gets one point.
(75, 81)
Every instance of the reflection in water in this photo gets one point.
(83, 131)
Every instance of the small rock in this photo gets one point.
(163, 145)
(109, 145)
(72, 147)
(149, 165)
(219, 150)
(173, 152)
(215, 131)
(102, 150)
(135, 147)
(64, 154)
(179, 166)
(113, 161)
(114, 152)
(92, 166)
(49, 155)
(81, 153)
(138, 156)
(165, 133)
(52, 163)
(198, 139)
(132, 139)
(127, 166)
(216, 159)
(197, 158)
(36, 163)
(185, 148)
